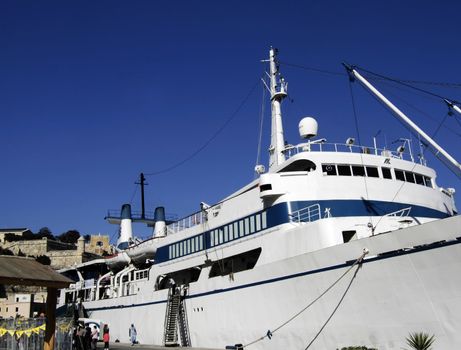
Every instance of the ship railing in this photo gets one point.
(291, 150)
(135, 214)
(187, 222)
(307, 214)
(400, 213)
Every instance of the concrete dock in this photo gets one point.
(127, 346)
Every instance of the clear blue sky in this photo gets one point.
(94, 92)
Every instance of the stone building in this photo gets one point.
(60, 254)
(98, 244)
(21, 301)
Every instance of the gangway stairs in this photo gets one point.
(183, 324)
(176, 318)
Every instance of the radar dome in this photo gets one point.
(308, 127)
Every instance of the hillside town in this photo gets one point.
(61, 252)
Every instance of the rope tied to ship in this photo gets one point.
(270, 333)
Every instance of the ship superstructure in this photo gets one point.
(232, 272)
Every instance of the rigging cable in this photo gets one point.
(201, 148)
(318, 70)
(134, 193)
(405, 84)
(357, 263)
(354, 110)
(261, 123)
(428, 116)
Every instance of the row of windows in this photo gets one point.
(238, 229)
(142, 274)
(186, 247)
(220, 235)
(414, 178)
(372, 171)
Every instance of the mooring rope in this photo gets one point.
(270, 333)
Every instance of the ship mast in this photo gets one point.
(278, 90)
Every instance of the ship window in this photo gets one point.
(372, 171)
(399, 175)
(344, 170)
(258, 222)
(226, 234)
(428, 181)
(349, 235)
(358, 170)
(192, 245)
(188, 247)
(220, 236)
(265, 187)
(386, 173)
(231, 232)
(235, 263)
(252, 224)
(329, 169)
(299, 165)
(241, 230)
(264, 220)
(212, 238)
(409, 177)
(419, 179)
(247, 226)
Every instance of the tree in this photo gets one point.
(420, 341)
(43, 259)
(45, 232)
(4, 251)
(70, 236)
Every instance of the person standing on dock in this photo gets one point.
(132, 333)
(94, 338)
(106, 337)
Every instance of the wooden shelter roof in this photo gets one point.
(17, 270)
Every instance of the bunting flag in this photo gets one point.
(28, 332)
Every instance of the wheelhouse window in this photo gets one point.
(299, 165)
(344, 170)
(358, 170)
(409, 177)
(372, 171)
(329, 169)
(419, 179)
(399, 175)
(386, 173)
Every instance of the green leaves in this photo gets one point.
(420, 340)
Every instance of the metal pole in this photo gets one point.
(407, 120)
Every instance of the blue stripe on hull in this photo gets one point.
(383, 256)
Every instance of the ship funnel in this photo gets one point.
(160, 226)
(126, 232)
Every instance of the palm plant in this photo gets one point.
(420, 340)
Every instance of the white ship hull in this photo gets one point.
(404, 291)
(237, 271)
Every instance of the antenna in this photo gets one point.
(141, 182)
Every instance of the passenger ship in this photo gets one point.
(334, 245)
